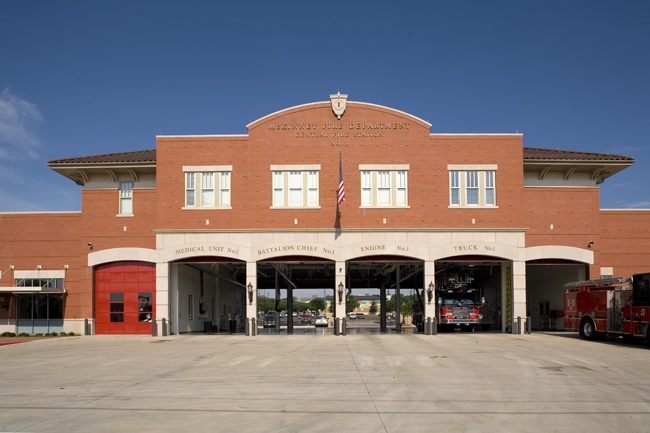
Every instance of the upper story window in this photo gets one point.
(207, 187)
(126, 198)
(295, 186)
(472, 185)
(384, 185)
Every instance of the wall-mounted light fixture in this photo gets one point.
(590, 244)
(250, 293)
(65, 266)
(90, 245)
(340, 292)
(430, 291)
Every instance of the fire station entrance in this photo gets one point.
(291, 294)
(207, 294)
(470, 293)
(545, 280)
(384, 294)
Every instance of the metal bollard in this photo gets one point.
(153, 327)
(518, 325)
(164, 327)
(254, 322)
(248, 327)
(344, 327)
(529, 325)
(336, 326)
(86, 327)
(427, 326)
(434, 326)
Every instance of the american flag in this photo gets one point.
(341, 192)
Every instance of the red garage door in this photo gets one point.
(125, 297)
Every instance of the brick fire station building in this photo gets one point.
(191, 231)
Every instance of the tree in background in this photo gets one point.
(317, 304)
(373, 308)
(353, 304)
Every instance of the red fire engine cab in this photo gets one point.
(609, 307)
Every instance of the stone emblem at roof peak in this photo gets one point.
(338, 104)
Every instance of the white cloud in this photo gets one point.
(637, 205)
(18, 120)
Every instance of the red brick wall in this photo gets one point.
(574, 214)
(251, 158)
(625, 239)
(51, 240)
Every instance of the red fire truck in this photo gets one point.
(459, 306)
(610, 306)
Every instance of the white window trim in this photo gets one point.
(462, 170)
(286, 170)
(374, 170)
(197, 171)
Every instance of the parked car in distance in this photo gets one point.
(321, 320)
(305, 318)
(353, 316)
(269, 321)
(360, 316)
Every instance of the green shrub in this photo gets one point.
(51, 334)
(23, 334)
(62, 334)
(71, 334)
(8, 334)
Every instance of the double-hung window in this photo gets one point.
(384, 185)
(207, 187)
(126, 198)
(295, 186)
(472, 185)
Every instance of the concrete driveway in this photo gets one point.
(456, 382)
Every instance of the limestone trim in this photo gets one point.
(560, 252)
(123, 254)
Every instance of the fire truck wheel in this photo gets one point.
(588, 329)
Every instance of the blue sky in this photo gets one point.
(88, 77)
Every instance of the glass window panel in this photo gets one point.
(489, 196)
(126, 189)
(225, 197)
(295, 197)
(207, 180)
(207, 197)
(24, 307)
(117, 317)
(189, 180)
(383, 196)
(277, 179)
(117, 297)
(472, 179)
(144, 317)
(365, 179)
(383, 179)
(454, 196)
(472, 195)
(20, 283)
(55, 306)
(313, 197)
(295, 179)
(313, 179)
(145, 297)
(454, 179)
(190, 197)
(401, 196)
(277, 197)
(40, 306)
(126, 206)
(117, 307)
(489, 179)
(365, 197)
(225, 180)
(401, 179)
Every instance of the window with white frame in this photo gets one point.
(384, 185)
(126, 198)
(295, 186)
(207, 187)
(472, 185)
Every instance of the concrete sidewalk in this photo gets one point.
(456, 382)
